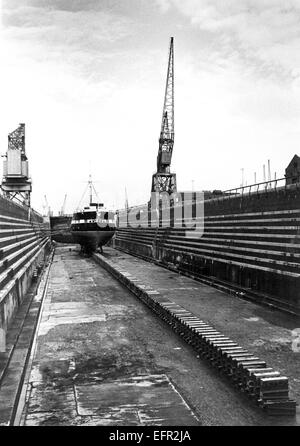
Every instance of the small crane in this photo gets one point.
(163, 180)
(126, 200)
(62, 211)
(47, 206)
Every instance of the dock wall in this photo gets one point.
(60, 228)
(251, 242)
(24, 245)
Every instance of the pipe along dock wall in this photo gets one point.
(24, 246)
(250, 243)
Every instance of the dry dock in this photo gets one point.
(101, 357)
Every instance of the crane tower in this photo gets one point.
(163, 180)
(16, 184)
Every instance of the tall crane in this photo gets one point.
(163, 180)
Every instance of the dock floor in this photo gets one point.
(103, 358)
(93, 364)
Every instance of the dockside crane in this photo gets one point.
(16, 184)
(163, 180)
(62, 211)
(126, 200)
(47, 206)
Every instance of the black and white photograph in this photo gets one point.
(149, 216)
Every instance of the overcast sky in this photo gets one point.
(87, 77)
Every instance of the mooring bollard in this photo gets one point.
(2, 340)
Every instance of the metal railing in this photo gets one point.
(261, 187)
(265, 186)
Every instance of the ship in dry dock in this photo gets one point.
(93, 226)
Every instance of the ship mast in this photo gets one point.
(90, 185)
(91, 188)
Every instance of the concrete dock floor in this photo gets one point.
(103, 358)
(92, 364)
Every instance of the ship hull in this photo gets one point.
(91, 240)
